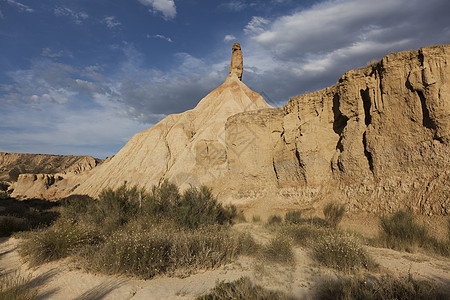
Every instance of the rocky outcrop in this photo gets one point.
(377, 140)
(35, 175)
(237, 62)
(14, 164)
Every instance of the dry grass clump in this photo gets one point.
(304, 234)
(274, 220)
(242, 288)
(55, 242)
(16, 286)
(342, 252)
(333, 213)
(401, 231)
(293, 217)
(385, 287)
(129, 231)
(278, 249)
(162, 249)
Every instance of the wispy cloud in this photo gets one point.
(229, 37)
(166, 7)
(256, 25)
(235, 5)
(160, 36)
(20, 6)
(111, 22)
(50, 53)
(77, 17)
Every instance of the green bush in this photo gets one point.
(386, 287)
(242, 288)
(199, 207)
(342, 252)
(293, 217)
(15, 286)
(333, 213)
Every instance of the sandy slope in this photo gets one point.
(62, 280)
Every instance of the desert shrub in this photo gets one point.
(274, 220)
(256, 218)
(342, 252)
(4, 195)
(55, 242)
(402, 232)
(15, 286)
(162, 249)
(304, 234)
(386, 287)
(333, 213)
(293, 217)
(241, 288)
(278, 249)
(199, 207)
(8, 225)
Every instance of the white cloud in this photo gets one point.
(49, 53)
(160, 36)
(77, 17)
(234, 5)
(256, 25)
(229, 37)
(166, 7)
(111, 22)
(20, 6)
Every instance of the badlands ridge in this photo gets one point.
(378, 141)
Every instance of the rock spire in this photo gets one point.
(237, 64)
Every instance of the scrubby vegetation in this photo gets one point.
(293, 217)
(15, 286)
(25, 215)
(385, 287)
(342, 252)
(333, 213)
(242, 288)
(274, 220)
(143, 234)
(401, 231)
(278, 249)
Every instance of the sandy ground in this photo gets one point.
(63, 280)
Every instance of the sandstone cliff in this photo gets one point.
(377, 140)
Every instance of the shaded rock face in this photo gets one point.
(377, 140)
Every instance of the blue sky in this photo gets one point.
(81, 77)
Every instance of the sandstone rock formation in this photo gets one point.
(31, 175)
(237, 62)
(13, 164)
(377, 140)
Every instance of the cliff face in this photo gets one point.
(377, 140)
